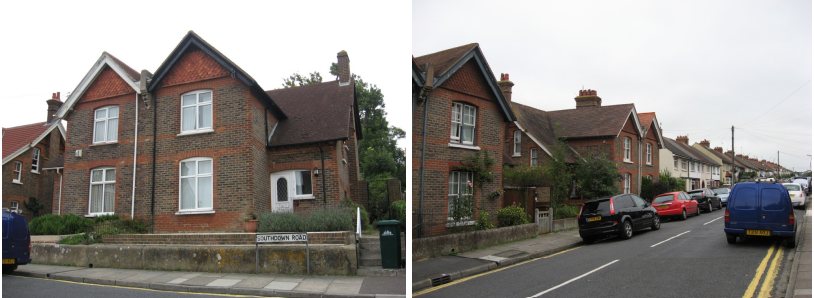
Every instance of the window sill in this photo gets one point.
(17, 182)
(516, 155)
(304, 198)
(196, 132)
(35, 172)
(195, 212)
(451, 223)
(98, 214)
(627, 161)
(103, 143)
(470, 147)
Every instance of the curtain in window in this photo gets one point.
(468, 127)
(110, 191)
(304, 183)
(96, 193)
(99, 132)
(205, 192)
(187, 193)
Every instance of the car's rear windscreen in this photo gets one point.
(596, 207)
(792, 187)
(662, 199)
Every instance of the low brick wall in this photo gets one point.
(565, 224)
(274, 258)
(339, 238)
(437, 246)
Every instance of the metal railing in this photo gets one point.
(430, 222)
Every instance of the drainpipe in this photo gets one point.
(59, 205)
(135, 165)
(322, 158)
(428, 81)
(152, 184)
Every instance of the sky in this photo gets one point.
(701, 66)
(50, 46)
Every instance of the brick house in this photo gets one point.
(459, 102)
(26, 151)
(199, 144)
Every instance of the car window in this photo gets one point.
(792, 187)
(664, 198)
(596, 207)
(771, 199)
(744, 199)
(722, 191)
(639, 201)
(627, 201)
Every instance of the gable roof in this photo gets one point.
(724, 158)
(447, 62)
(57, 163)
(192, 40)
(128, 74)
(538, 126)
(317, 113)
(603, 121)
(650, 118)
(19, 139)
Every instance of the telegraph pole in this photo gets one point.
(732, 183)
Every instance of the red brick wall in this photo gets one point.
(37, 185)
(307, 157)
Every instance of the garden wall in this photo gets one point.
(437, 246)
(565, 224)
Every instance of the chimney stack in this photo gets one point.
(506, 86)
(53, 106)
(719, 149)
(739, 156)
(343, 67)
(683, 139)
(588, 99)
(705, 143)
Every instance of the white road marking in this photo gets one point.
(719, 217)
(668, 239)
(573, 279)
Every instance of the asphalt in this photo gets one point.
(485, 259)
(800, 278)
(226, 283)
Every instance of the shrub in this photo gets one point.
(366, 226)
(511, 216)
(647, 189)
(279, 222)
(597, 174)
(483, 221)
(398, 211)
(104, 218)
(566, 211)
(660, 187)
(72, 224)
(52, 224)
(336, 218)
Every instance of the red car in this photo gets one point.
(677, 204)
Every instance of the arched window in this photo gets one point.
(102, 191)
(196, 184)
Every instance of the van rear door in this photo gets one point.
(743, 205)
(774, 208)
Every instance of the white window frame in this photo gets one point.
(105, 184)
(627, 183)
(683, 165)
(627, 149)
(533, 160)
(14, 205)
(197, 105)
(294, 176)
(459, 123)
(517, 137)
(460, 185)
(649, 154)
(675, 163)
(107, 120)
(18, 171)
(35, 160)
(197, 176)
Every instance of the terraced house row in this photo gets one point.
(195, 146)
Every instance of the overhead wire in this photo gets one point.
(787, 97)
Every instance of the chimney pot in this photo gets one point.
(507, 76)
(506, 86)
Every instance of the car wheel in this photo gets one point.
(697, 211)
(656, 223)
(710, 206)
(731, 238)
(684, 214)
(588, 240)
(627, 230)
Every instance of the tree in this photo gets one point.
(596, 175)
(675, 184)
(561, 175)
(647, 189)
(296, 80)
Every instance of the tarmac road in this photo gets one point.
(683, 259)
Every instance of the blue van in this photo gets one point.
(761, 209)
(16, 242)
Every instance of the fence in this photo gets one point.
(544, 220)
(431, 222)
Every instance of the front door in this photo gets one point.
(280, 198)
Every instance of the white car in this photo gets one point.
(803, 182)
(797, 194)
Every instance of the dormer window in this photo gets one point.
(196, 111)
(106, 125)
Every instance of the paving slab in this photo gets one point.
(384, 285)
(254, 282)
(281, 285)
(313, 285)
(344, 288)
(199, 281)
(222, 282)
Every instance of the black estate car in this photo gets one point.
(619, 215)
(707, 199)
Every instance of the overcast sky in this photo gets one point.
(702, 66)
(49, 47)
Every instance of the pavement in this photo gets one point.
(226, 283)
(489, 258)
(800, 278)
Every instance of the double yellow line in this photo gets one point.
(768, 283)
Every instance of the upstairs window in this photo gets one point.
(18, 171)
(196, 111)
(675, 163)
(683, 164)
(106, 125)
(649, 153)
(516, 143)
(627, 149)
(35, 160)
(463, 124)
(533, 154)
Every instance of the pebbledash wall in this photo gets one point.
(469, 86)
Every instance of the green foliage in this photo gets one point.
(463, 207)
(596, 175)
(52, 224)
(525, 176)
(566, 211)
(560, 174)
(660, 187)
(647, 189)
(480, 166)
(484, 223)
(321, 220)
(34, 206)
(676, 184)
(104, 218)
(398, 211)
(299, 80)
(78, 239)
(365, 218)
(747, 175)
(512, 216)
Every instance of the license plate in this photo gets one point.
(757, 232)
(663, 207)
(9, 261)
(595, 218)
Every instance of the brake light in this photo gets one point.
(580, 211)
(611, 205)
(791, 218)
(726, 215)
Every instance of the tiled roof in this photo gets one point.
(135, 75)
(686, 151)
(646, 118)
(590, 122)
(59, 162)
(445, 59)
(507, 160)
(318, 112)
(537, 124)
(16, 137)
